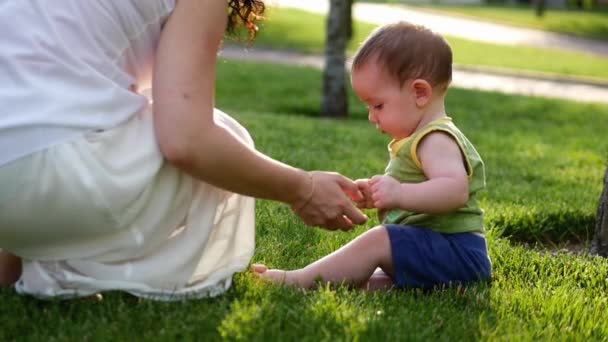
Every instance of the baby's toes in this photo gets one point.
(258, 268)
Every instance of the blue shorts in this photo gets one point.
(423, 258)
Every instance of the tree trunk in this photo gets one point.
(539, 7)
(335, 101)
(599, 245)
(349, 20)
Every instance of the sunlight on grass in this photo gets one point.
(588, 24)
(555, 296)
(337, 315)
(244, 319)
(303, 31)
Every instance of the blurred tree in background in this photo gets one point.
(334, 101)
(539, 7)
(599, 245)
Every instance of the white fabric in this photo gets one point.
(66, 67)
(106, 212)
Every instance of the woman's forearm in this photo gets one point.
(184, 90)
(221, 159)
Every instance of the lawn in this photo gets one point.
(545, 161)
(587, 24)
(304, 31)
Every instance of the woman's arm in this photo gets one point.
(184, 90)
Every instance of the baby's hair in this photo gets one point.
(407, 51)
(245, 13)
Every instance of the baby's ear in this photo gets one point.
(422, 91)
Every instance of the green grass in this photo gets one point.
(545, 159)
(304, 31)
(587, 24)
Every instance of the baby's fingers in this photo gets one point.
(364, 204)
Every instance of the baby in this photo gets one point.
(432, 226)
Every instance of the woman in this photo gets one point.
(103, 191)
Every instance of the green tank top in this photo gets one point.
(404, 166)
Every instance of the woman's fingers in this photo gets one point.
(351, 213)
(354, 215)
(330, 206)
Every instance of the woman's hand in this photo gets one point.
(327, 204)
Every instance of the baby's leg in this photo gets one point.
(10, 268)
(353, 264)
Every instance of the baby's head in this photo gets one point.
(407, 52)
(402, 72)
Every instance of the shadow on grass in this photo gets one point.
(118, 316)
(544, 228)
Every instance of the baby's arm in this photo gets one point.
(445, 190)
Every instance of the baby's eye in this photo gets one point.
(379, 107)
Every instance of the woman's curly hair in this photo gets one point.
(244, 13)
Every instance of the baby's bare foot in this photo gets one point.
(274, 275)
(378, 282)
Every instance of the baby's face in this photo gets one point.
(392, 108)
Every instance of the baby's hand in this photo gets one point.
(386, 192)
(365, 201)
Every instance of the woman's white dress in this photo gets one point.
(107, 212)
